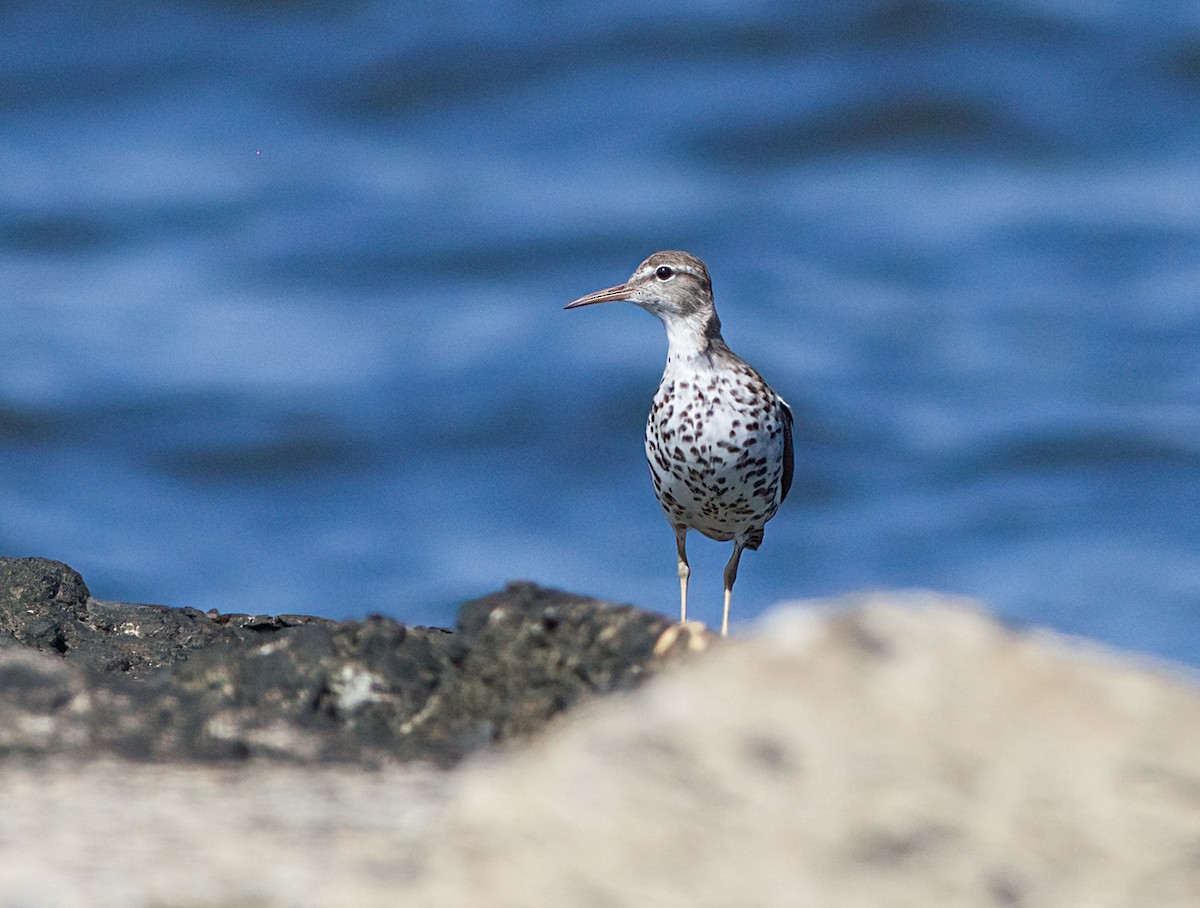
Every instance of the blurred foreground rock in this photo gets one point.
(898, 750)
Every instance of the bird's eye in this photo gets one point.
(665, 272)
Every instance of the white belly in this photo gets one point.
(716, 453)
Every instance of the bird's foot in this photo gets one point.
(688, 636)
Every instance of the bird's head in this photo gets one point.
(672, 285)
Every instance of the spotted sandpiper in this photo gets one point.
(718, 440)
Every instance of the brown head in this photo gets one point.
(672, 285)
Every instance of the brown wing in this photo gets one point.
(788, 455)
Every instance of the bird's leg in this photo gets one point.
(684, 572)
(730, 577)
(694, 635)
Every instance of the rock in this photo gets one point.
(533, 653)
(46, 606)
(900, 749)
(896, 749)
(152, 682)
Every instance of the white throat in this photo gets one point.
(686, 341)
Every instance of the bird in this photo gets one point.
(718, 438)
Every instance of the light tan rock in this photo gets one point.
(901, 749)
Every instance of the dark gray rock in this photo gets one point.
(534, 652)
(46, 605)
(88, 678)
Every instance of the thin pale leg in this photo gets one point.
(694, 635)
(730, 576)
(685, 571)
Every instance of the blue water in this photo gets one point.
(281, 288)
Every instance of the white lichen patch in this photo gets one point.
(355, 687)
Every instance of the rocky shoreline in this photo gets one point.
(891, 749)
(149, 682)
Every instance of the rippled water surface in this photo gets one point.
(282, 290)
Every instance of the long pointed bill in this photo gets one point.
(611, 295)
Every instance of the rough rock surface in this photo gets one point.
(46, 606)
(896, 749)
(88, 678)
